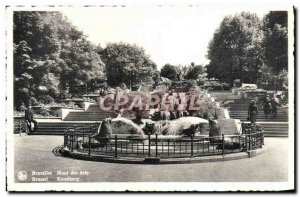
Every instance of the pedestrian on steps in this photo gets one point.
(252, 112)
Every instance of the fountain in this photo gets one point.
(143, 137)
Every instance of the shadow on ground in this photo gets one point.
(57, 151)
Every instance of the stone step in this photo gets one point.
(64, 123)
(245, 109)
(58, 128)
(244, 116)
(59, 131)
(279, 116)
(92, 113)
(100, 118)
(60, 125)
(276, 129)
(260, 115)
(261, 119)
(279, 127)
(47, 133)
(259, 111)
(275, 135)
(85, 119)
(271, 130)
(90, 116)
(97, 112)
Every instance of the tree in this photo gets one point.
(34, 41)
(235, 51)
(50, 57)
(169, 71)
(195, 72)
(283, 78)
(276, 41)
(276, 81)
(126, 63)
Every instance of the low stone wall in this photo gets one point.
(22, 118)
(18, 120)
(256, 95)
(58, 112)
(95, 97)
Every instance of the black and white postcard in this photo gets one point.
(150, 97)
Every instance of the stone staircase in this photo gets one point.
(275, 129)
(81, 119)
(239, 110)
(93, 113)
(273, 126)
(242, 115)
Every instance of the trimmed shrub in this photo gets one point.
(46, 99)
(44, 111)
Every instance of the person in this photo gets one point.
(252, 112)
(274, 104)
(267, 106)
(29, 119)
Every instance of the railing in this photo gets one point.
(19, 127)
(85, 128)
(81, 141)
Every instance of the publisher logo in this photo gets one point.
(22, 176)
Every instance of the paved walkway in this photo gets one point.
(34, 153)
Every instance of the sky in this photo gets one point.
(175, 35)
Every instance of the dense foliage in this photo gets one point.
(247, 48)
(235, 51)
(187, 72)
(126, 63)
(197, 72)
(169, 71)
(51, 58)
(275, 44)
